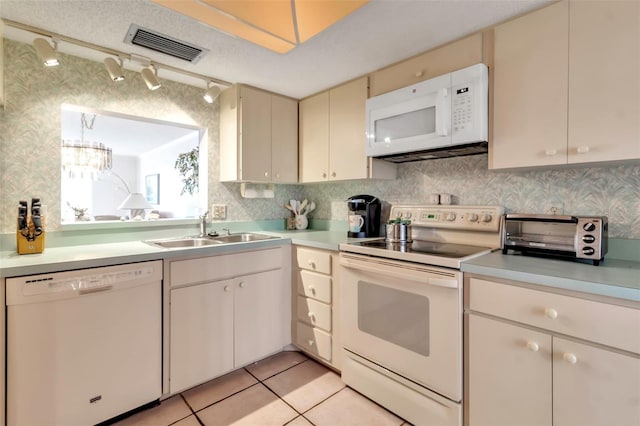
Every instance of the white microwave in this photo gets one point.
(441, 117)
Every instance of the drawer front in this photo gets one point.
(314, 313)
(215, 268)
(598, 322)
(315, 286)
(314, 340)
(314, 260)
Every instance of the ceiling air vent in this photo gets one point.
(164, 44)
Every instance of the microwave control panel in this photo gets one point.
(462, 108)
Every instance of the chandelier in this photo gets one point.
(84, 158)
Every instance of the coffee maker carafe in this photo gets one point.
(364, 216)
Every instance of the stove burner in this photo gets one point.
(448, 250)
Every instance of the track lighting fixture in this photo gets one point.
(114, 69)
(211, 94)
(149, 77)
(46, 53)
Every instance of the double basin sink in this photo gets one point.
(186, 242)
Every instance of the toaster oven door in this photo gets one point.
(540, 236)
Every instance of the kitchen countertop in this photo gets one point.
(612, 278)
(94, 255)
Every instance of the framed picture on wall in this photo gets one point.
(152, 189)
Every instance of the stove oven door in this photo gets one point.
(405, 317)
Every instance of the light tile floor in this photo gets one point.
(285, 389)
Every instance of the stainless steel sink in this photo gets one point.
(242, 237)
(186, 242)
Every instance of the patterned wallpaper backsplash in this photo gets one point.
(30, 156)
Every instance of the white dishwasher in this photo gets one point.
(83, 346)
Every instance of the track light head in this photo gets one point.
(46, 53)
(211, 94)
(114, 69)
(149, 77)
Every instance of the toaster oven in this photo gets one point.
(575, 237)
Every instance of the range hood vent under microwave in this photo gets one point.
(434, 153)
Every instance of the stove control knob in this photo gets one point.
(451, 216)
(398, 214)
(407, 215)
(486, 217)
(473, 217)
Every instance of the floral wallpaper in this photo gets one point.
(30, 156)
(30, 130)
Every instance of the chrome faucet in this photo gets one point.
(226, 230)
(203, 224)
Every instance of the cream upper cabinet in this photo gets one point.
(566, 86)
(450, 57)
(314, 138)
(332, 136)
(1, 63)
(530, 90)
(256, 129)
(604, 81)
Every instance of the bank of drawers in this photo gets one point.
(313, 302)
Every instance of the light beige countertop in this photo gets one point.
(612, 278)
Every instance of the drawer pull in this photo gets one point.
(533, 346)
(311, 342)
(241, 285)
(311, 316)
(312, 290)
(312, 263)
(569, 357)
(226, 288)
(551, 313)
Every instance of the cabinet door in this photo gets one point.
(453, 56)
(284, 140)
(314, 138)
(509, 377)
(604, 81)
(347, 158)
(260, 324)
(201, 333)
(255, 135)
(530, 90)
(593, 386)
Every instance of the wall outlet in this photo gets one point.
(219, 211)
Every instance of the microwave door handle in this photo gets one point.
(443, 114)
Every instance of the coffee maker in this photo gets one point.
(364, 216)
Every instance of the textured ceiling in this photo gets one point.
(378, 34)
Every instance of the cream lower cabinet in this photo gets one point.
(332, 137)
(538, 358)
(225, 312)
(315, 320)
(566, 87)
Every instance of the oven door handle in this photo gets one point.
(409, 273)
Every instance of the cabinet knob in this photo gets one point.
(312, 264)
(583, 149)
(311, 342)
(324, 175)
(278, 175)
(312, 290)
(226, 288)
(419, 74)
(333, 174)
(550, 152)
(266, 174)
(551, 313)
(533, 346)
(312, 317)
(241, 285)
(569, 357)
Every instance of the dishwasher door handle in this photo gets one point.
(95, 290)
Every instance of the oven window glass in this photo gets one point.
(414, 123)
(394, 316)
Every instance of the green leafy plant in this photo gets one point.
(187, 165)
